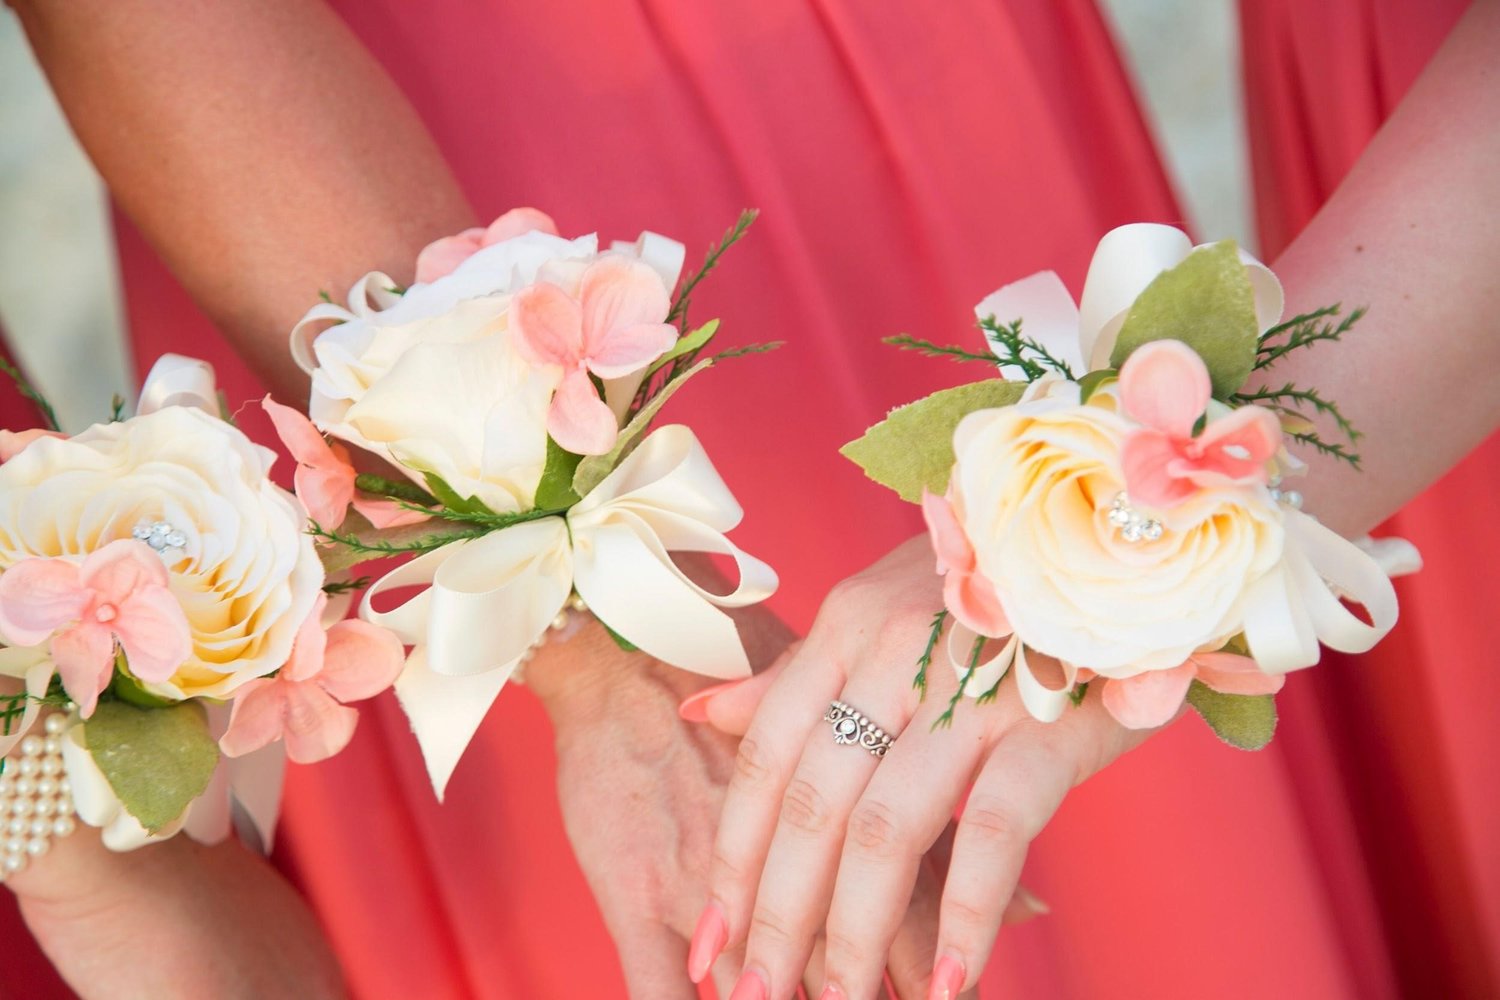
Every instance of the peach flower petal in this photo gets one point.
(362, 660)
(578, 419)
(1165, 385)
(12, 443)
(1150, 699)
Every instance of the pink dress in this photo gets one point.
(905, 165)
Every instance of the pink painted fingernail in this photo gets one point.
(832, 992)
(750, 987)
(947, 979)
(694, 708)
(709, 938)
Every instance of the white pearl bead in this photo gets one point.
(22, 807)
(37, 846)
(56, 724)
(23, 786)
(28, 767)
(52, 745)
(45, 807)
(45, 787)
(14, 862)
(31, 746)
(41, 826)
(64, 788)
(15, 845)
(560, 621)
(15, 826)
(52, 765)
(6, 782)
(63, 825)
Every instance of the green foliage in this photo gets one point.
(945, 720)
(1022, 352)
(1078, 693)
(555, 490)
(624, 643)
(394, 489)
(679, 311)
(1094, 381)
(1292, 399)
(49, 415)
(336, 587)
(912, 448)
(685, 351)
(378, 545)
(1302, 331)
(925, 660)
(157, 760)
(1246, 722)
(449, 498)
(907, 342)
(592, 470)
(116, 408)
(1208, 303)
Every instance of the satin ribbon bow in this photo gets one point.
(487, 601)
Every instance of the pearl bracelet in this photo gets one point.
(36, 799)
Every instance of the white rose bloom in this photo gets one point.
(246, 572)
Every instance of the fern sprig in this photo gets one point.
(1304, 331)
(49, 415)
(1023, 352)
(380, 547)
(679, 311)
(925, 660)
(1330, 449)
(907, 342)
(482, 520)
(946, 719)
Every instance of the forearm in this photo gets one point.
(257, 145)
(176, 919)
(1410, 234)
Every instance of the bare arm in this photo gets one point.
(1412, 234)
(258, 146)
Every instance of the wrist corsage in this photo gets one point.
(510, 395)
(166, 636)
(1114, 516)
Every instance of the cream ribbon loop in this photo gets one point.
(487, 601)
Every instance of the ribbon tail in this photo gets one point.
(255, 785)
(1324, 555)
(445, 712)
(1045, 704)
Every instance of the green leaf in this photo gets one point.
(128, 688)
(555, 491)
(624, 643)
(689, 343)
(912, 448)
(1244, 721)
(593, 469)
(1094, 381)
(1206, 302)
(449, 497)
(394, 489)
(157, 760)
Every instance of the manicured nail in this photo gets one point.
(709, 938)
(750, 987)
(1032, 902)
(832, 992)
(695, 707)
(947, 979)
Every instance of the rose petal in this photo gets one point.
(1164, 384)
(548, 325)
(362, 661)
(1148, 700)
(440, 257)
(12, 443)
(579, 420)
(37, 597)
(949, 543)
(617, 293)
(972, 599)
(518, 222)
(85, 658)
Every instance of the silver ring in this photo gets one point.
(852, 726)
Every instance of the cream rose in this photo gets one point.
(239, 560)
(1035, 484)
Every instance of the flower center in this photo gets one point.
(106, 613)
(160, 535)
(1134, 526)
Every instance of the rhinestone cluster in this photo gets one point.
(1134, 526)
(36, 800)
(160, 535)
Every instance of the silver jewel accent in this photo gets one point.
(1292, 498)
(1133, 525)
(163, 537)
(853, 727)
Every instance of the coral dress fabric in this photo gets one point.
(907, 160)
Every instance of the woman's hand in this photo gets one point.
(822, 837)
(175, 919)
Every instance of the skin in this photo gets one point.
(815, 839)
(192, 166)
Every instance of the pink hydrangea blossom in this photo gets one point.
(967, 593)
(615, 326)
(441, 257)
(1151, 699)
(304, 704)
(1165, 385)
(120, 594)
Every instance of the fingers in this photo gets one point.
(731, 707)
(1018, 789)
(792, 707)
(902, 813)
(653, 958)
(798, 877)
(912, 952)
